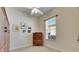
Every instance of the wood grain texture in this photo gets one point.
(37, 39)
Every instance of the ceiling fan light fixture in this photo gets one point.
(36, 11)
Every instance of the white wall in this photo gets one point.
(20, 39)
(67, 29)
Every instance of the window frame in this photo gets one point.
(45, 26)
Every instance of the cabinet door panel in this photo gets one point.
(37, 39)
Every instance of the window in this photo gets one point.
(50, 28)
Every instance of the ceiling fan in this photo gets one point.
(35, 10)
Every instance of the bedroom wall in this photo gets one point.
(67, 29)
(20, 39)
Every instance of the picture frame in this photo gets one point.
(29, 29)
(15, 28)
(23, 26)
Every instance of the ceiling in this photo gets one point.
(26, 10)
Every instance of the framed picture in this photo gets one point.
(24, 31)
(23, 26)
(15, 28)
(29, 29)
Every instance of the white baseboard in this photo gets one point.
(20, 48)
(57, 49)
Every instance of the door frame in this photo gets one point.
(4, 11)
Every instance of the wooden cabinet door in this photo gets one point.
(4, 33)
(37, 39)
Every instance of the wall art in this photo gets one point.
(29, 29)
(15, 28)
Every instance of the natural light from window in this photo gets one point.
(50, 28)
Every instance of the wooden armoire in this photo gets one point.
(37, 39)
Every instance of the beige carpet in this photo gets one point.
(35, 49)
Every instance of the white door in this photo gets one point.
(4, 31)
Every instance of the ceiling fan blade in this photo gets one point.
(32, 12)
(39, 11)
